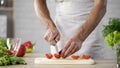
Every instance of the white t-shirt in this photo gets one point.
(70, 15)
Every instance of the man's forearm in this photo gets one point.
(43, 13)
(93, 19)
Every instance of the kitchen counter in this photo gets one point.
(29, 58)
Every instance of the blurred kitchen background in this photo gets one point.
(19, 20)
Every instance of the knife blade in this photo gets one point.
(56, 48)
(60, 51)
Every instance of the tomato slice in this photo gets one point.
(57, 55)
(49, 56)
(75, 57)
(86, 56)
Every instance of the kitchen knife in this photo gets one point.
(56, 48)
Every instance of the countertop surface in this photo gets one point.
(29, 58)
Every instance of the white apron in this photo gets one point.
(70, 15)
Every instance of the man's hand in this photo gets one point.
(52, 36)
(73, 45)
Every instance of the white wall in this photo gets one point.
(28, 26)
(3, 26)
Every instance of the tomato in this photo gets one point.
(75, 57)
(49, 56)
(57, 55)
(28, 44)
(86, 56)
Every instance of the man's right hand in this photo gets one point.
(52, 36)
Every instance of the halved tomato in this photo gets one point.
(75, 57)
(57, 55)
(86, 56)
(49, 56)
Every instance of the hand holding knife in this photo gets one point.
(56, 48)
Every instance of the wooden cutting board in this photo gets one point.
(63, 61)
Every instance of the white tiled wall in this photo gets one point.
(28, 26)
(3, 26)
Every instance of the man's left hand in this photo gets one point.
(73, 45)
